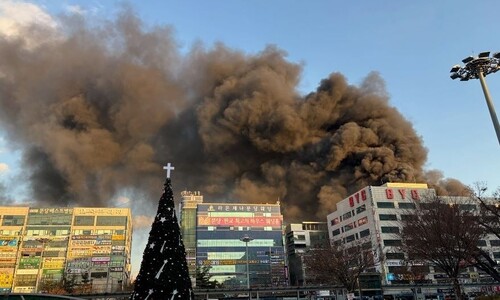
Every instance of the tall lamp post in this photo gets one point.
(246, 239)
(477, 68)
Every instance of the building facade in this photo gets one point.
(372, 216)
(187, 220)
(299, 239)
(221, 244)
(42, 245)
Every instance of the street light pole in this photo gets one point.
(491, 108)
(477, 68)
(247, 239)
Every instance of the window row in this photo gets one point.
(349, 214)
(401, 205)
(356, 236)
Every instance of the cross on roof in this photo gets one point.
(169, 168)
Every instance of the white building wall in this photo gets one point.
(367, 211)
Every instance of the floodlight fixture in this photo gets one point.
(484, 54)
(477, 68)
(455, 68)
(468, 59)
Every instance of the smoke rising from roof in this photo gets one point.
(99, 108)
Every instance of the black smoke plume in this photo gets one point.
(98, 107)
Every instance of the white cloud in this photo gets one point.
(122, 201)
(15, 14)
(4, 168)
(76, 9)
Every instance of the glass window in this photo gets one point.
(395, 255)
(348, 227)
(301, 237)
(49, 219)
(84, 221)
(12, 220)
(495, 243)
(406, 205)
(335, 221)
(364, 233)
(385, 204)
(111, 221)
(360, 208)
(385, 217)
(481, 243)
(392, 242)
(336, 232)
(389, 229)
(347, 215)
(350, 238)
(362, 221)
(407, 217)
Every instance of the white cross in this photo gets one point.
(168, 167)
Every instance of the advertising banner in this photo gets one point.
(53, 263)
(237, 221)
(54, 271)
(29, 262)
(104, 258)
(27, 271)
(256, 208)
(6, 278)
(8, 242)
(116, 269)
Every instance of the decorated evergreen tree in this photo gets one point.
(164, 272)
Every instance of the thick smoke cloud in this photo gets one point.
(98, 108)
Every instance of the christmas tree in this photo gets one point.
(164, 272)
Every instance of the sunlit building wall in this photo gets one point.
(12, 221)
(372, 216)
(92, 245)
(187, 220)
(220, 228)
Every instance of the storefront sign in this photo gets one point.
(254, 222)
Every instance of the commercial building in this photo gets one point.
(300, 238)
(232, 237)
(187, 220)
(372, 216)
(42, 245)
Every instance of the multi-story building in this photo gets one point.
(300, 238)
(373, 216)
(232, 236)
(42, 245)
(187, 220)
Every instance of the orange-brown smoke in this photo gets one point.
(99, 110)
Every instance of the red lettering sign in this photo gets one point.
(240, 221)
(351, 201)
(415, 195)
(402, 192)
(389, 194)
(363, 195)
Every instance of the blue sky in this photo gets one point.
(412, 44)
